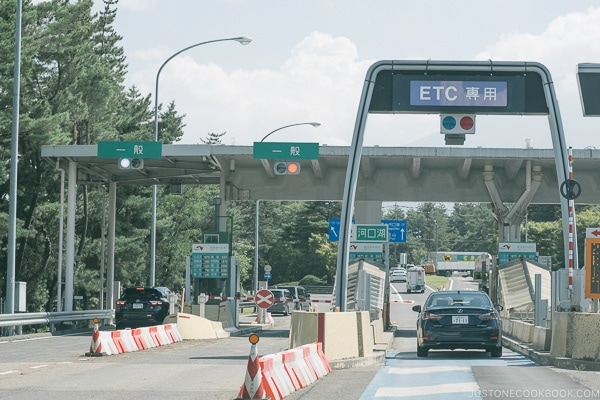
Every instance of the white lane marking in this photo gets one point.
(398, 392)
(396, 293)
(38, 366)
(426, 370)
(9, 372)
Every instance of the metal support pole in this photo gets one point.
(14, 160)
(255, 287)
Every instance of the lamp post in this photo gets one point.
(256, 225)
(314, 124)
(244, 41)
(436, 242)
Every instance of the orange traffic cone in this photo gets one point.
(253, 387)
(96, 345)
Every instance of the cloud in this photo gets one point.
(322, 80)
(568, 40)
(319, 82)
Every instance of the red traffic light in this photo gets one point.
(286, 168)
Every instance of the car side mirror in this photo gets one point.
(499, 307)
(416, 308)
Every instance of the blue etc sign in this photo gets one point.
(458, 93)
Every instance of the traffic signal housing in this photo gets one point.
(131, 163)
(457, 124)
(286, 168)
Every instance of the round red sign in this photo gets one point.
(264, 298)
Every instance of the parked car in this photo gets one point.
(283, 303)
(141, 306)
(398, 275)
(459, 320)
(300, 296)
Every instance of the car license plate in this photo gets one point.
(460, 319)
(138, 306)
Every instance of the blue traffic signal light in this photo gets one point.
(131, 163)
(457, 123)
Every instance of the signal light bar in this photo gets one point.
(286, 168)
(457, 124)
(131, 163)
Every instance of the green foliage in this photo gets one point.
(311, 280)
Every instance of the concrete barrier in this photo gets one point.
(562, 334)
(586, 336)
(542, 338)
(343, 335)
(193, 327)
(520, 330)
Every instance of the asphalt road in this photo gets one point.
(55, 368)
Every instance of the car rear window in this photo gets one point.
(142, 294)
(467, 299)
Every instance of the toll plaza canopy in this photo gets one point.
(439, 174)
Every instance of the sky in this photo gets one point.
(308, 60)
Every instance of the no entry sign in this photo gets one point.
(264, 298)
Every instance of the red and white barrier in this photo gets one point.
(276, 381)
(317, 361)
(107, 343)
(286, 372)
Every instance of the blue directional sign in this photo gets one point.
(334, 229)
(396, 230)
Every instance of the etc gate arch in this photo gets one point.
(392, 87)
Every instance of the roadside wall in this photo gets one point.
(576, 335)
(344, 335)
(573, 335)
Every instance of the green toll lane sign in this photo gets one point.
(285, 151)
(369, 233)
(129, 150)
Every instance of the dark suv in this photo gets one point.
(141, 306)
(282, 302)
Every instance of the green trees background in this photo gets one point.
(73, 93)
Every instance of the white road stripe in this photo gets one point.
(399, 392)
(426, 370)
(9, 372)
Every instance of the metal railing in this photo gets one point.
(40, 318)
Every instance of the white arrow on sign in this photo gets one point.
(334, 232)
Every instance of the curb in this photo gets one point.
(544, 357)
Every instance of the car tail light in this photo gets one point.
(488, 316)
(155, 303)
(121, 303)
(428, 315)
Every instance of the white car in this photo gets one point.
(398, 275)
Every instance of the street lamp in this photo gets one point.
(256, 220)
(314, 124)
(244, 41)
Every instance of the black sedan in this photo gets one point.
(458, 320)
(141, 306)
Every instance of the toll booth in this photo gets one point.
(211, 265)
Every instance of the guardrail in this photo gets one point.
(318, 289)
(21, 319)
